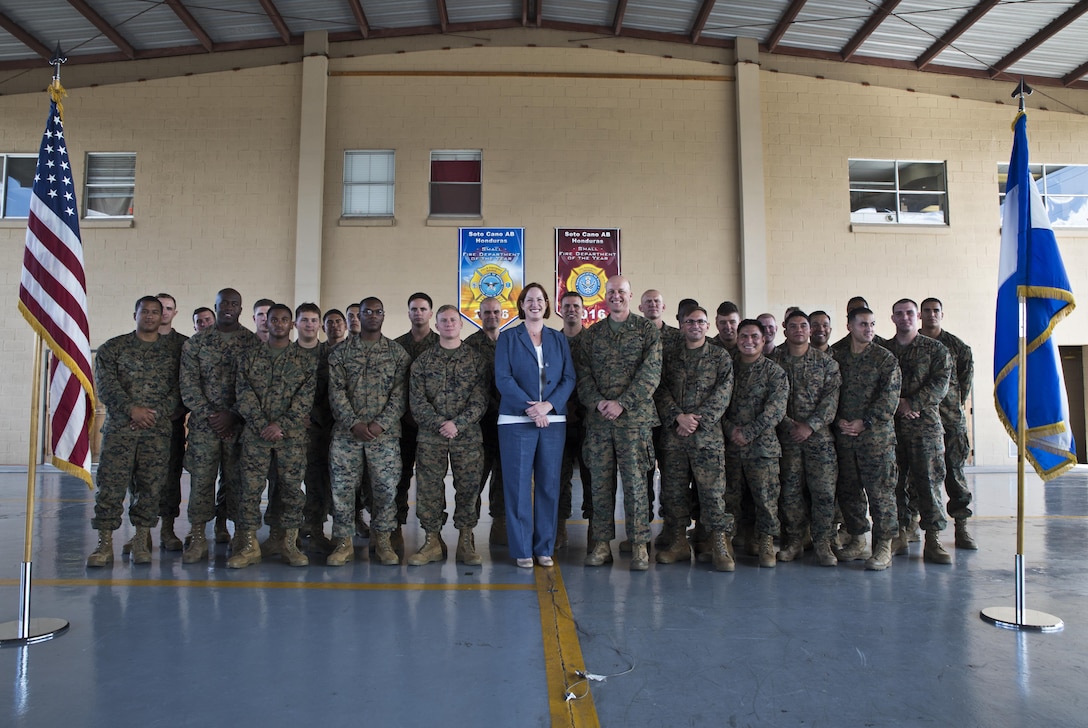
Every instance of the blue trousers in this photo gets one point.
(531, 460)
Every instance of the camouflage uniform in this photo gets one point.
(869, 392)
(572, 451)
(622, 365)
(811, 465)
(367, 383)
(694, 381)
(274, 386)
(760, 393)
(409, 429)
(489, 427)
(318, 438)
(170, 498)
(954, 420)
(132, 373)
(448, 384)
(926, 366)
(208, 369)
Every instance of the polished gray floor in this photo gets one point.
(446, 644)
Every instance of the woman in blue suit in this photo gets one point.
(535, 377)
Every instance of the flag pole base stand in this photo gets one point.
(41, 629)
(1033, 621)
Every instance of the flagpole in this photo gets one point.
(27, 631)
(1019, 617)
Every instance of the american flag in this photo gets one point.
(53, 297)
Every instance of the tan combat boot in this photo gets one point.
(318, 540)
(196, 548)
(466, 549)
(396, 539)
(433, 549)
(167, 537)
(914, 534)
(640, 557)
(933, 550)
(722, 547)
(127, 548)
(963, 536)
(383, 548)
(103, 554)
(273, 545)
(901, 542)
(791, 549)
(290, 554)
(600, 555)
(767, 558)
(824, 555)
(856, 549)
(676, 546)
(248, 550)
(701, 544)
(498, 532)
(343, 551)
(882, 555)
(141, 545)
(222, 535)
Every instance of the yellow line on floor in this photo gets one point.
(562, 655)
(317, 585)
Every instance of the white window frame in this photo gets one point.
(455, 155)
(4, 161)
(369, 182)
(896, 215)
(1042, 173)
(97, 180)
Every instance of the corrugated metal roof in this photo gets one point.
(481, 11)
(228, 21)
(1005, 27)
(583, 12)
(400, 13)
(913, 28)
(827, 25)
(306, 15)
(675, 16)
(746, 20)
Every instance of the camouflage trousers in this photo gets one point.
(919, 455)
(956, 449)
(208, 457)
(628, 450)
(706, 466)
(170, 497)
(759, 477)
(466, 462)
(491, 467)
(409, 436)
(287, 461)
(808, 469)
(130, 463)
(572, 454)
(348, 460)
(868, 474)
(654, 465)
(318, 478)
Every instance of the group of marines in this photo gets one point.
(803, 442)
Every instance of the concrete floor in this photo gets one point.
(799, 645)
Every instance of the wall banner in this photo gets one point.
(491, 264)
(585, 258)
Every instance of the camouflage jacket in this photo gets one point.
(485, 347)
(415, 348)
(694, 381)
(448, 384)
(760, 393)
(209, 362)
(670, 336)
(926, 367)
(132, 373)
(869, 392)
(814, 393)
(368, 382)
(576, 411)
(624, 366)
(953, 414)
(321, 418)
(276, 386)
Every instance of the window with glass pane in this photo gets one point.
(16, 184)
(456, 188)
(888, 191)
(111, 184)
(1063, 187)
(369, 177)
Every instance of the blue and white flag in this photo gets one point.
(1031, 266)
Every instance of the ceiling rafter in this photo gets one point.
(617, 18)
(443, 15)
(277, 20)
(1073, 76)
(23, 36)
(192, 24)
(784, 24)
(879, 16)
(103, 25)
(360, 18)
(1055, 26)
(962, 26)
(700, 20)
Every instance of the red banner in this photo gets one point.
(584, 260)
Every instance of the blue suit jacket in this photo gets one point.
(517, 375)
